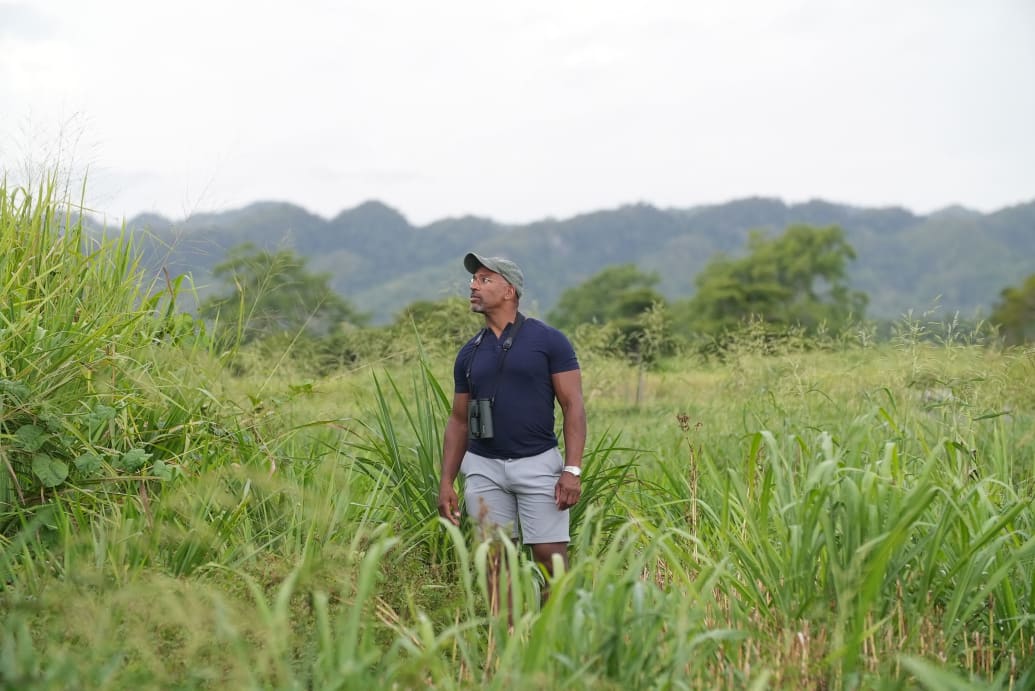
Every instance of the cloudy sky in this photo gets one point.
(521, 110)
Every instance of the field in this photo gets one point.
(832, 513)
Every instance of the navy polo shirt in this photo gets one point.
(523, 406)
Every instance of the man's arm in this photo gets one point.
(454, 446)
(568, 388)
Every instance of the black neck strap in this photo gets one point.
(506, 349)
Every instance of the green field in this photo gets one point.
(830, 513)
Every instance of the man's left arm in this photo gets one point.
(567, 387)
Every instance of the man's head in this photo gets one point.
(510, 271)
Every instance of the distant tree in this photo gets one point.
(1015, 313)
(617, 293)
(798, 278)
(622, 297)
(448, 322)
(272, 293)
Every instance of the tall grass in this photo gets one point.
(406, 459)
(856, 517)
(88, 393)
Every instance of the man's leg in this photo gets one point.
(491, 507)
(544, 554)
(544, 527)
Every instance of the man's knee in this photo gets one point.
(544, 553)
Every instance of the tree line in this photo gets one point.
(796, 280)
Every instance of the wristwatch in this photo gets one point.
(573, 469)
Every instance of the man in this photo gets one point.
(500, 433)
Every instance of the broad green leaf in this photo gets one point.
(30, 437)
(50, 471)
(99, 414)
(162, 470)
(14, 389)
(88, 463)
(133, 460)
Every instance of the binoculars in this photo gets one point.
(479, 418)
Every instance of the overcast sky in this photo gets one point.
(524, 109)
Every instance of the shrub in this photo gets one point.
(93, 383)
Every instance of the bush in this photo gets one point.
(89, 390)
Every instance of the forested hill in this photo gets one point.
(956, 259)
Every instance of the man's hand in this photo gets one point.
(449, 504)
(567, 492)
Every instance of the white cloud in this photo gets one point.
(522, 110)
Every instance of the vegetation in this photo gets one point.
(272, 294)
(796, 279)
(1015, 313)
(820, 512)
(91, 391)
(623, 299)
(617, 294)
(955, 260)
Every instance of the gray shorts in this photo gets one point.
(518, 492)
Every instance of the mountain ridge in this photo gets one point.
(954, 258)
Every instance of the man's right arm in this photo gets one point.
(453, 448)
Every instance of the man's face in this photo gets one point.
(488, 290)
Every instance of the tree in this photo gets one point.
(273, 293)
(621, 292)
(445, 323)
(797, 278)
(622, 297)
(1015, 313)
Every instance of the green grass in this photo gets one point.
(846, 515)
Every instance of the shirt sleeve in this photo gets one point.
(562, 353)
(460, 369)
(459, 375)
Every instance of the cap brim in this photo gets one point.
(472, 262)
